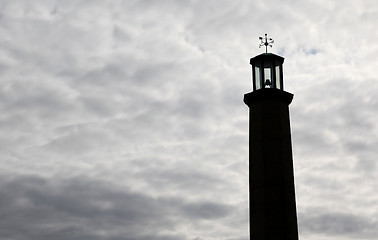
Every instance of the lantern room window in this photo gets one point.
(267, 71)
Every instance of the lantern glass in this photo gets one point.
(267, 76)
(278, 77)
(257, 78)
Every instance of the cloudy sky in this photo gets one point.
(124, 120)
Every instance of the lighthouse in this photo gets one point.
(273, 213)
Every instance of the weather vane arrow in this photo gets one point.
(266, 42)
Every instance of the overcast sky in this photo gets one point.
(124, 120)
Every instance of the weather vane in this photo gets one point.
(266, 42)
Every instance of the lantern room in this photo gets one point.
(267, 71)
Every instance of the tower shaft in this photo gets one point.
(272, 192)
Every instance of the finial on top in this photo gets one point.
(266, 42)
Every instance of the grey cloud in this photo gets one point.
(206, 210)
(190, 180)
(337, 223)
(98, 105)
(339, 116)
(78, 142)
(81, 208)
(34, 97)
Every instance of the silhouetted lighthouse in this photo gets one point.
(272, 193)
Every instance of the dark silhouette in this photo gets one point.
(272, 193)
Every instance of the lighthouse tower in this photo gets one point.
(272, 193)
